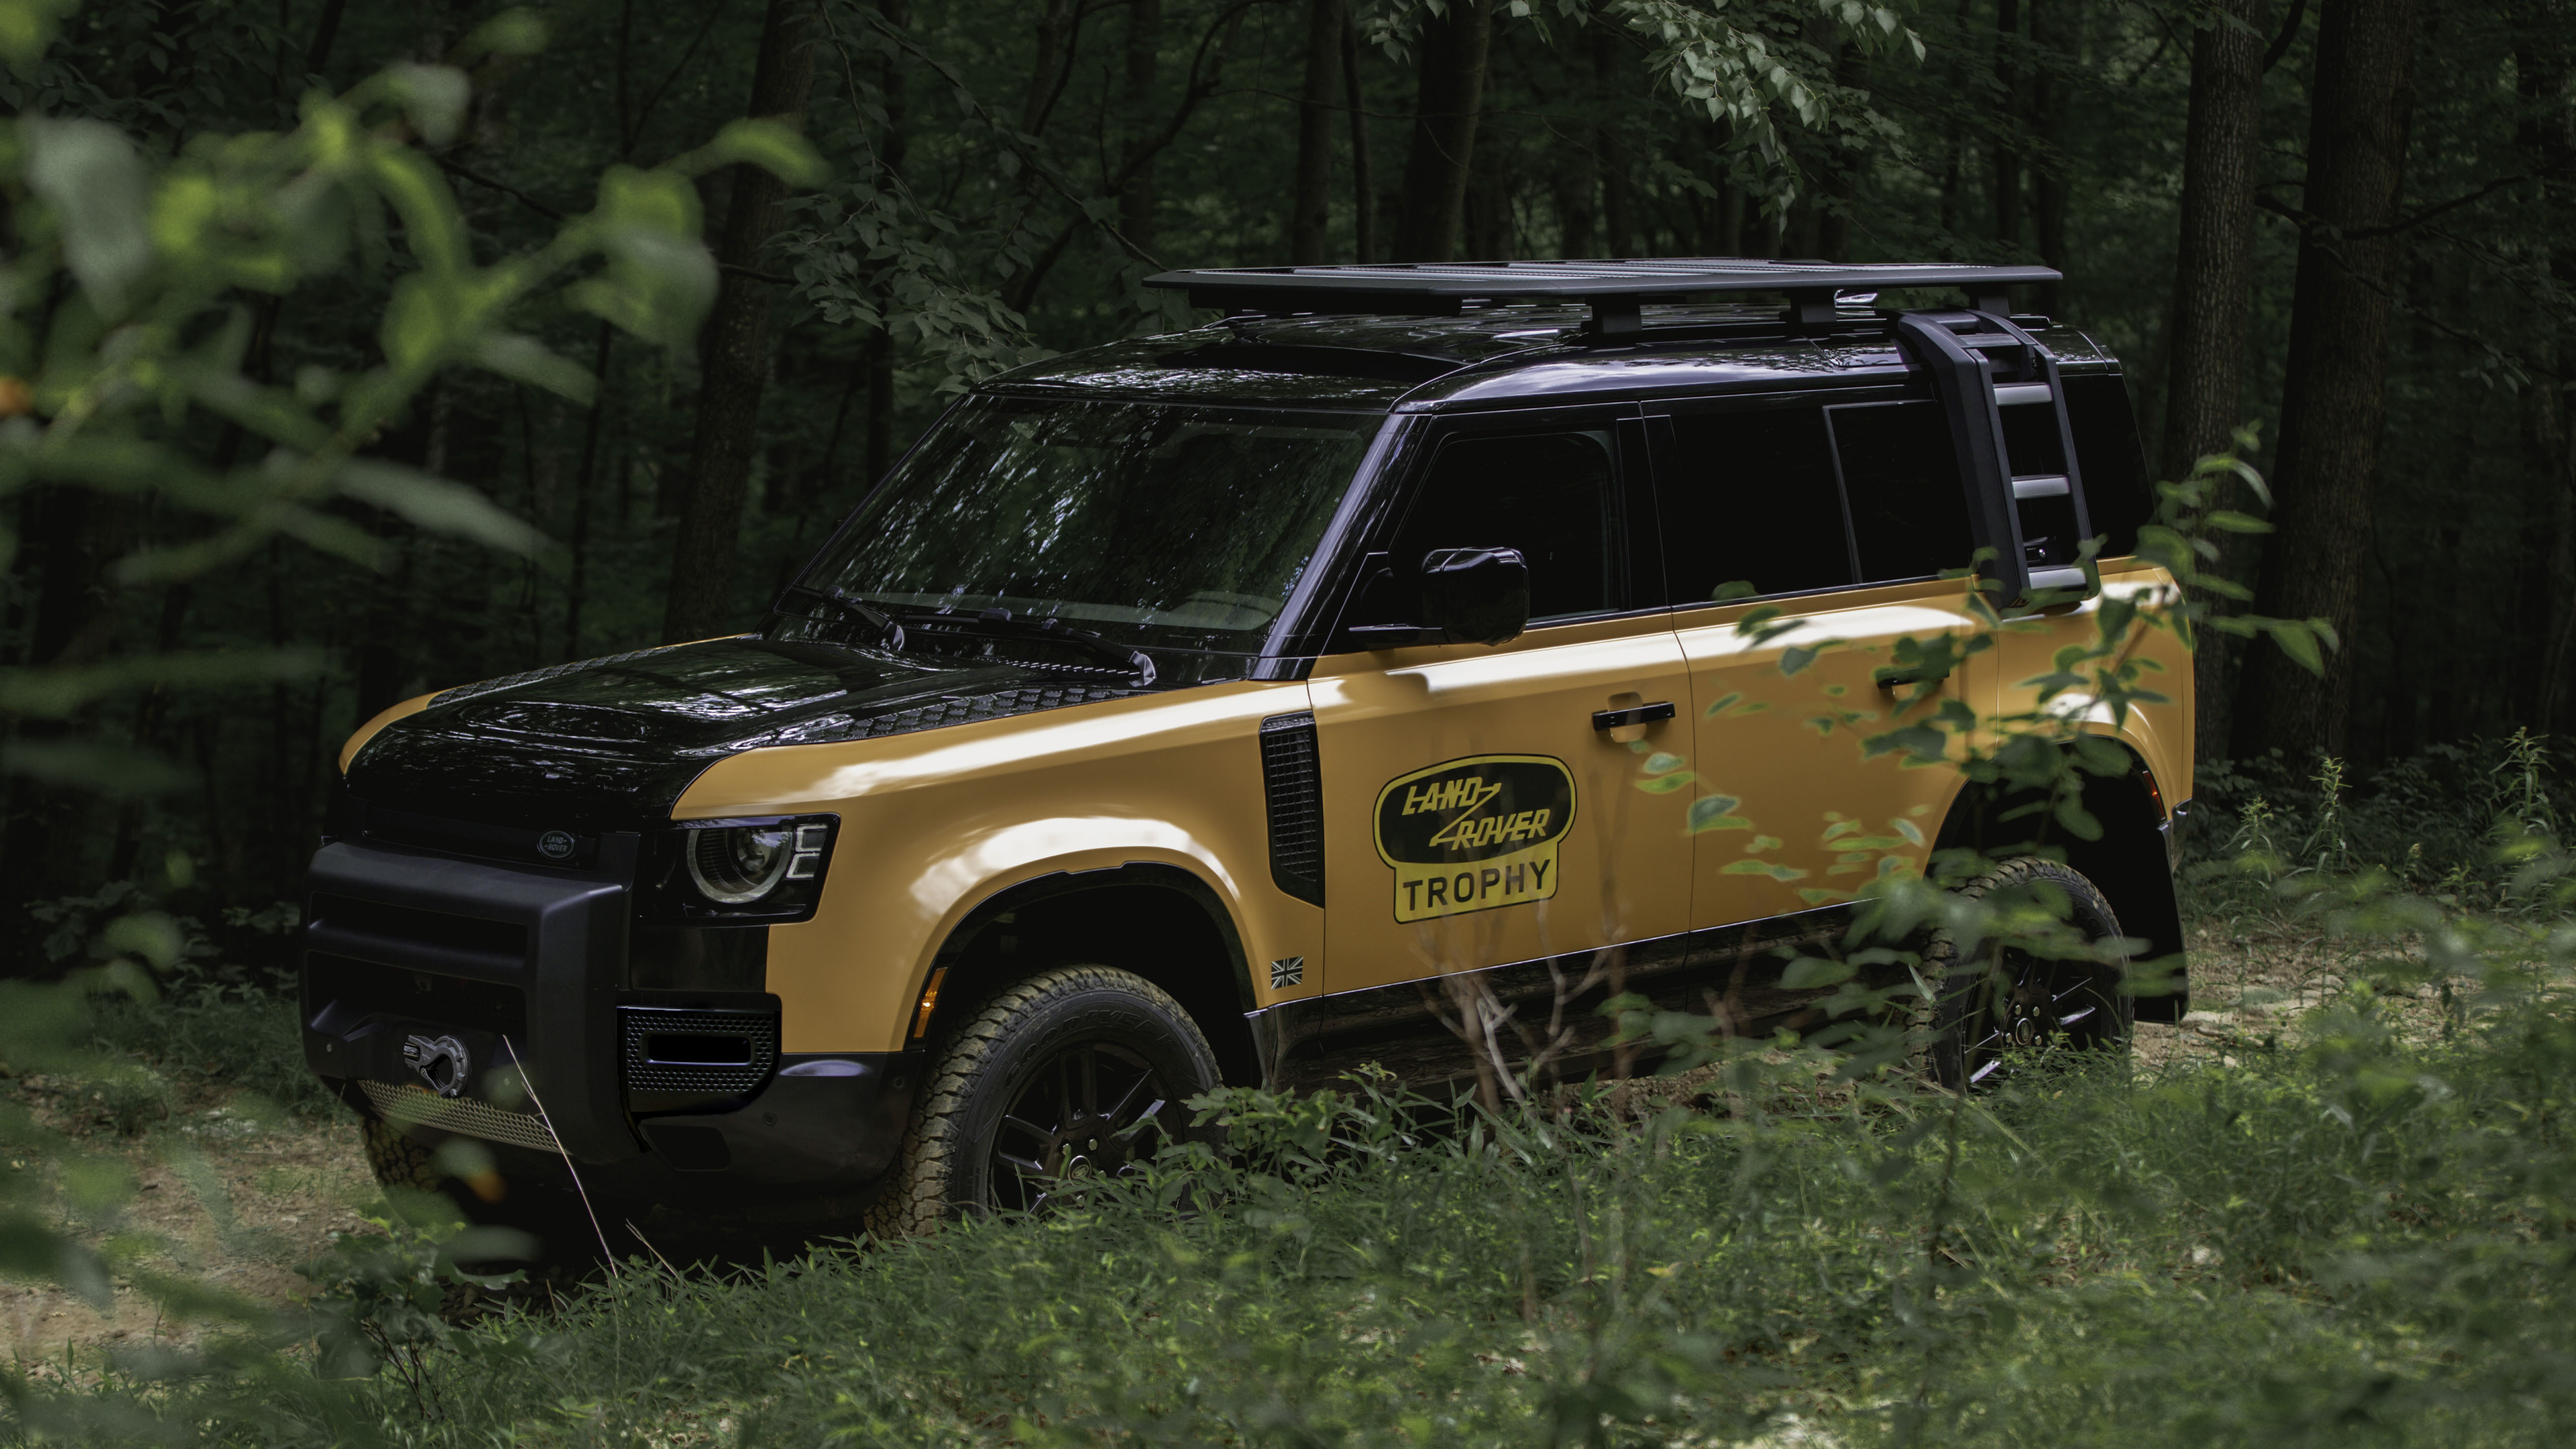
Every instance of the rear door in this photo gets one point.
(1475, 814)
(1813, 538)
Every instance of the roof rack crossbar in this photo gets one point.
(1616, 290)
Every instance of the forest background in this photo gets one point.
(2352, 225)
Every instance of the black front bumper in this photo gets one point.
(519, 970)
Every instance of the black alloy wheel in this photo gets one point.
(1076, 1073)
(2001, 1004)
(1095, 1107)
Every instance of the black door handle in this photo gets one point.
(1611, 719)
(1890, 676)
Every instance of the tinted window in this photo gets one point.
(2116, 494)
(1550, 495)
(1748, 497)
(1900, 476)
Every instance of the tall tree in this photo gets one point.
(2008, 122)
(2213, 280)
(1363, 178)
(1310, 203)
(2545, 134)
(2334, 400)
(1136, 188)
(1449, 98)
(734, 348)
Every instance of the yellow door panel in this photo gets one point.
(1792, 814)
(1474, 816)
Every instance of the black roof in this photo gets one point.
(1614, 288)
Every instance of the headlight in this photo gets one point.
(740, 863)
(738, 871)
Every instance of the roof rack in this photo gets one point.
(1616, 290)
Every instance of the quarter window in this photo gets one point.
(1900, 475)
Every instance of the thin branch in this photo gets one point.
(523, 198)
(2280, 45)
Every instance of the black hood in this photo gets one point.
(611, 744)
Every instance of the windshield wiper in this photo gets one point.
(1049, 629)
(887, 626)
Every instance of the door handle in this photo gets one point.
(1642, 714)
(1891, 676)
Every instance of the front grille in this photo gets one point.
(698, 1053)
(420, 1107)
(1293, 784)
(391, 922)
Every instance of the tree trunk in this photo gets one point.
(734, 349)
(1310, 208)
(2055, 40)
(2213, 279)
(1618, 234)
(1136, 197)
(1363, 179)
(2008, 118)
(1448, 98)
(2546, 137)
(2334, 402)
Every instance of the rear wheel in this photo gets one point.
(1079, 1071)
(1997, 1002)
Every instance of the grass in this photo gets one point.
(2356, 1229)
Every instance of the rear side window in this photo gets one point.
(1749, 497)
(1900, 476)
(2116, 494)
(1550, 495)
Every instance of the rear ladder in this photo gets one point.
(2033, 523)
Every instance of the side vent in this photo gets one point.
(1294, 787)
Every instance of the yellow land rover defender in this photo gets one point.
(1210, 708)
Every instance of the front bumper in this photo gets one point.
(503, 985)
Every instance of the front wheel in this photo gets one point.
(1077, 1071)
(1997, 1001)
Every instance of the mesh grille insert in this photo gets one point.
(418, 1106)
(709, 1053)
(1293, 784)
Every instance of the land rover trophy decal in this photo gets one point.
(1474, 834)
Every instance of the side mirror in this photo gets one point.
(1475, 595)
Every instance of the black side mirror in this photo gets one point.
(1475, 595)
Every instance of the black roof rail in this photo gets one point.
(1615, 289)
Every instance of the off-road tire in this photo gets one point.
(2074, 1004)
(945, 1169)
(397, 1159)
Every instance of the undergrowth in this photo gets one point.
(2356, 1233)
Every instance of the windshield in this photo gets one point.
(1178, 526)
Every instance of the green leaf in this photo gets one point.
(1720, 705)
(1660, 763)
(2297, 642)
(525, 359)
(1731, 589)
(2230, 521)
(95, 182)
(433, 96)
(438, 504)
(27, 27)
(767, 144)
(1809, 973)
(1666, 784)
(1714, 812)
(1797, 657)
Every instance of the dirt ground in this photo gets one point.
(227, 1200)
(239, 1202)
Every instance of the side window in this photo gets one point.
(1900, 475)
(1550, 495)
(2116, 495)
(1748, 497)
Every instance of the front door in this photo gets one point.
(1476, 813)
